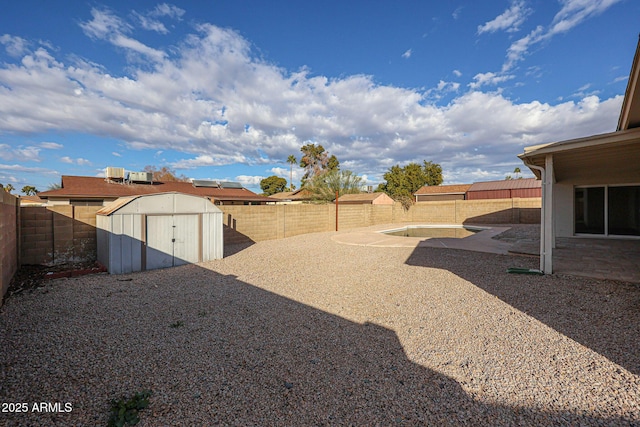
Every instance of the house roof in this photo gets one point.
(443, 189)
(86, 187)
(31, 200)
(591, 157)
(507, 184)
(630, 112)
(300, 194)
(363, 197)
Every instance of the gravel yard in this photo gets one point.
(306, 331)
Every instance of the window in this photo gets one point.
(607, 210)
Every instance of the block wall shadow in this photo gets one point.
(237, 354)
(601, 315)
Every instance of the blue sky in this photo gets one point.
(229, 89)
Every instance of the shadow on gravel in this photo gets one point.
(603, 315)
(216, 350)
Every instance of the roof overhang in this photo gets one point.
(630, 113)
(611, 157)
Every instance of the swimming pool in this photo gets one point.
(431, 231)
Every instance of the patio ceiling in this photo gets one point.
(600, 159)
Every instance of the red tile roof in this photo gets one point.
(443, 189)
(81, 187)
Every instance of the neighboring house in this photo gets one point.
(505, 189)
(292, 197)
(91, 191)
(430, 193)
(31, 201)
(365, 199)
(591, 186)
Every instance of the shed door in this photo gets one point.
(172, 240)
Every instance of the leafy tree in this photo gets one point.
(29, 190)
(333, 163)
(272, 185)
(164, 174)
(402, 182)
(8, 188)
(314, 160)
(324, 186)
(517, 173)
(292, 161)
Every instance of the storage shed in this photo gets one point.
(152, 231)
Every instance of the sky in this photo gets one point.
(228, 89)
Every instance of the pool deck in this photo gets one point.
(613, 259)
(371, 236)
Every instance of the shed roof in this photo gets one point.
(124, 201)
(98, 188)
(443, 189)
(507, 184)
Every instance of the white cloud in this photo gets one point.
(20, 153)
(483, 79)
(199, 99)
(115, 153)
(571, 14)
(151, 20)
(106, 26)
(51, 145)
(407, 54)
(457, 73)
(79, 161)
(208, 160)
(509, 21)
(15, 46)
(249, 181)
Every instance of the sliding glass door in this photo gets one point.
(607, 210)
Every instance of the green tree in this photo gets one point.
(333, 164)
(324, 186)
(272, 185)
(314, 160)
(8, 188)
(402, 182)
(292, 161)
(29, 190)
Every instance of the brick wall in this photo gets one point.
(9, 259)
(58, 234)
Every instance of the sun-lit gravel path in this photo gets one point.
(305, 331)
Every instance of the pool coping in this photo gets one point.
(481, 241)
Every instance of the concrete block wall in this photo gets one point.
(9, 259)
(259, 223)
(58, 234)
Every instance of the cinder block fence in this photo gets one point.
(9, 240)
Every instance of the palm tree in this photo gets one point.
(9, 188)
(517, 171)
(291, 160)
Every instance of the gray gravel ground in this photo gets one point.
(305, 331)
